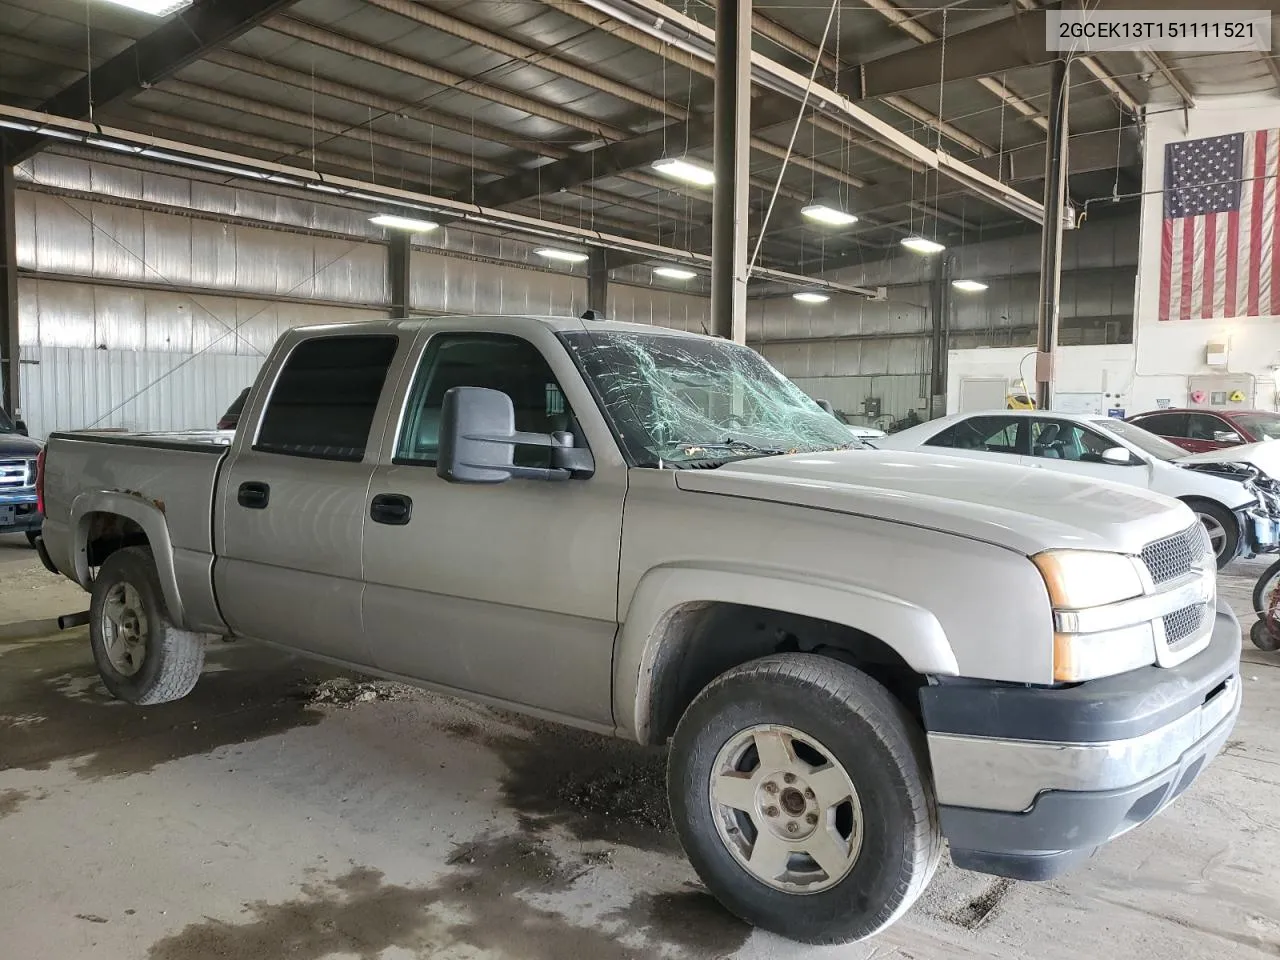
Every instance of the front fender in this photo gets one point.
(913, 632)
(145, 514)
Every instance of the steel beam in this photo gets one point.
(400, 273)
(184, 38)
(9, 353)
(733, 170)
(1055, 188)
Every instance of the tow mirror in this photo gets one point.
(478, 440)
(1118, 456)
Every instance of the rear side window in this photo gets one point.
(993, 434)
(323, 402)
(1164, 424)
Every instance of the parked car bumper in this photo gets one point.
(25, 516)
(1029, 781)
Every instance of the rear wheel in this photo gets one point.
(798, 788)
(141, 655)
(1221, 526)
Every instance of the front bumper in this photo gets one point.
(1031, 780)
(26, 515)
(1260, 531)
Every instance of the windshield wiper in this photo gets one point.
(729, 443)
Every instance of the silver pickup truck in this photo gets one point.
(654, 535)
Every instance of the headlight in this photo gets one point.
(1087, 578)
(1089, 642)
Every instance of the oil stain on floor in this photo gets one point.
(480, 903)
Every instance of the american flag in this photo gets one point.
(1217, 255)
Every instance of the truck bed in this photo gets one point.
(172, 475)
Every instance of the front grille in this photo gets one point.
(16, 473)
(1176, 556)
(1183, 623)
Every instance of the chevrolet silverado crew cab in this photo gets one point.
(852, 653)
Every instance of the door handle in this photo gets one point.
(253, 495)
(391, 508)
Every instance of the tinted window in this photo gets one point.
(992, 434)
(323, 402)
(514, 366)
(1206, 426)
(1164, 424)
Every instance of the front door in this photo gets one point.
(1070, 447)
(507, 591)
(292, 514)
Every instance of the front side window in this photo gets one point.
(679, 400)
(1064, 440)
(499, 362)
(324, 399)
(989, 434)
(1205, 426)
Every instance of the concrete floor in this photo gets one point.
(259, 819)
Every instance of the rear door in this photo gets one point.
(986, 437)
(507, 591)
(292, 505)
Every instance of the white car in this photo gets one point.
(865, 433)
(1230, 490)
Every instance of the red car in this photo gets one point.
(1203, 430)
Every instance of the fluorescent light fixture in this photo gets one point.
(566, 256)
(156, 8)
(58, 134)
(828, 215)
(809, 296)
(112, 145)
(969, 286)
(674, 273)
(679, 168)
(403, 223)
(922, 244)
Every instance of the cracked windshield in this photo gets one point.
(686, 401)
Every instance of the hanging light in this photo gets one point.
(403, 223)
(828, 215)
(921, 244)
(674, 273)
(678, 168)
(969, 286)
(810, 296)
(564, 256)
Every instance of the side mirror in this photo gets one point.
(1226, 436)
(21, 427)
(826, 405)
(1118, 456)
(478, 440)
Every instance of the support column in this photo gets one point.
(9, 366)
(598, 281)
(1055, 186)
(733, 168)
(399, 271)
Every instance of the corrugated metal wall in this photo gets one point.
(162, 293)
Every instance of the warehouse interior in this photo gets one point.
(886, 200)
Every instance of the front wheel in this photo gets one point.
(1221, 526)
(142, 656)
(799, 790)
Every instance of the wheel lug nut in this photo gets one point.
(812, 818)
(808, 794)
(770, 787)
(770, 811)
(791, 827)
(789, 777)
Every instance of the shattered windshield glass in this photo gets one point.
(683, 400)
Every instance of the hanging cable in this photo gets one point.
(795, 129)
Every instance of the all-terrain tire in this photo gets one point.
(173, 657)
(882, 749)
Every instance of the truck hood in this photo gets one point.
(1264, 455)
(14, 445)
(1015, 507)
